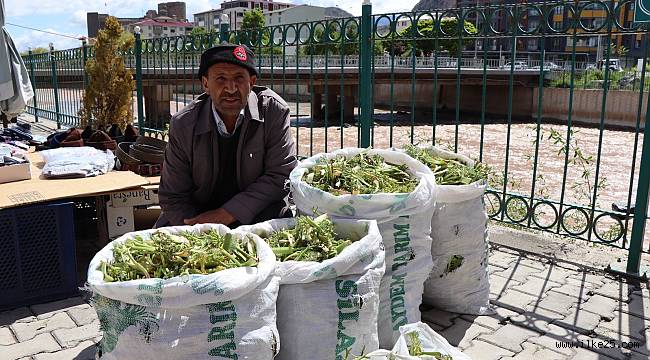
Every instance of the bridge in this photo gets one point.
(334, 80)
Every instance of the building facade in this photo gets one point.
(170, 16)
(235, 11)
(161, 26)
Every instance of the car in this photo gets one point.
(549, 65)
(519, 65)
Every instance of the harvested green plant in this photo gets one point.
(312, 239)
(455, 261)
(415, 348)
(165, 256)
(360, 174)
(448, 171)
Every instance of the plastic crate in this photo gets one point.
(37, 254)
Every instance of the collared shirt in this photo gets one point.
(221, 126)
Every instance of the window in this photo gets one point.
(201, 23)
(637, 44)
(240, 14)
(172, 31)
(558, 10)
(164, 27)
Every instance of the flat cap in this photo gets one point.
(229, 53)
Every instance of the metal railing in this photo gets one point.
(561, 146)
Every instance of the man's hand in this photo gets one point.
(217, 216)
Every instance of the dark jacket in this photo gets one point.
(265, 157)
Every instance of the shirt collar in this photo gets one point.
(221, 126)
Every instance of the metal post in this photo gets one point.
(365, 75)
(55, 85)
(33, 80)
(641, 208)
(224, 28)
(138, 78)
(84, 46)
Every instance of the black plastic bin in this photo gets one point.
(37, 254)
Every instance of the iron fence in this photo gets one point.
(561, 126)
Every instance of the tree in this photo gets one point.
(425, 38)
(37, 50)
(107, 99)
(199, 30)
(322, 45)
(252, 27)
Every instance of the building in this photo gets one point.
(95, 22)
(235, 11)
(174, 12)
(161, 26)
(303, 13)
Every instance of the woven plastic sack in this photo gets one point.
(330, 307)
(404, 224)
(228, 314)
(459, 281)
(429, 340)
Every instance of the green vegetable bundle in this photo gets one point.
(448, 171)
(360, 174)
(415, 348)
(165, 256)
(310, 240)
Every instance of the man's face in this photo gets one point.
(228, 85)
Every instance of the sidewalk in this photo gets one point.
(542, 309)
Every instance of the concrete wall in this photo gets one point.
(621, 106)
(470, 98)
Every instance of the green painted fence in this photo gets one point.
(533, 90)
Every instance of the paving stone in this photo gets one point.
(575, 287)
(44, 311)
(579, 320)
(83, 315)
(555, 301)
(502, 259)
(555, 337)
(601, 305)
(537, 321)
(70, 337)
(615, 290)
(554, 273)
(509, 337)
(84, 351)
(535, 286)
(463, 332)
(536, 352)
(536, 263)
(22, 314)
(26, 331)
(481, 350)
(499, 285)
(588, 354)
(624, 324)
(517, 272)
(594, 278)
(41, 343)
(639, 305)
(6, 337)
(440, 317)
(517, 300)
(493, 321)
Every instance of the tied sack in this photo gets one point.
(459, 281)
(326, 309)
(228, 314)
(404, 224)
(427, 340)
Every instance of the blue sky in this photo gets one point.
(69, 16)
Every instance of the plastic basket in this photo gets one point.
(37, 254)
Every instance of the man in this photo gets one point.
(230, 151)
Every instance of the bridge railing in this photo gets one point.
(549, 94)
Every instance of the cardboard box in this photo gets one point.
(132, 210)
(17, 172)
